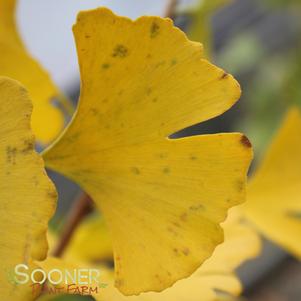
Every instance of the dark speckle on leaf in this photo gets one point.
(186, 251)
(173, 62)
(28, 146)
(240, 185)
(120, 51)
(176, 224)
(52, 194)
(173, 231)
(119, 282)
(176, 251)
(94, 111)
(163, 155)
(154, 30)
(105, 66)
(149, 91)
(245, 141)
(294, 215)
(197, 207)
(11, 153)
(135, 170)
(184, 217)
(224, 75)
(166, 170)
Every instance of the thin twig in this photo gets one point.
(82, 207)
(171, 8)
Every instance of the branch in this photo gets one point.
(170, 11)
(82, 207)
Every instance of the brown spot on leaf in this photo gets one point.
(52, 194)
(105, 66)
(154, 30)
(11, 153)
(186, 251)
(224, 75)
(171, 230)
(120, 51)
(28, 146)
(158, 278)
(240, 185)
(173, 62)
(163, 155)
(183, 217)
(149, 91)
(176, 224)
(119, 282)
(245, 141)
(94, 111)
(166, 170)
(197, 207)
(135, 170)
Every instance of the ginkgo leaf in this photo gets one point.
(91, 233)
(163, 199)
(16, 62)
(215, 280)
(274, 193)
(27, 195)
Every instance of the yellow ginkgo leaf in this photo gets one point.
(215, 280)
(274, 193)
(91, 233)
(163, 199)
(15, 62)
(27, 195)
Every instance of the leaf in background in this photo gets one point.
(16, 62)
(163, 199)
(27, 196)
(274, 193)
(91, 233)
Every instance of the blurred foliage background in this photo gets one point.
(258, 42)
